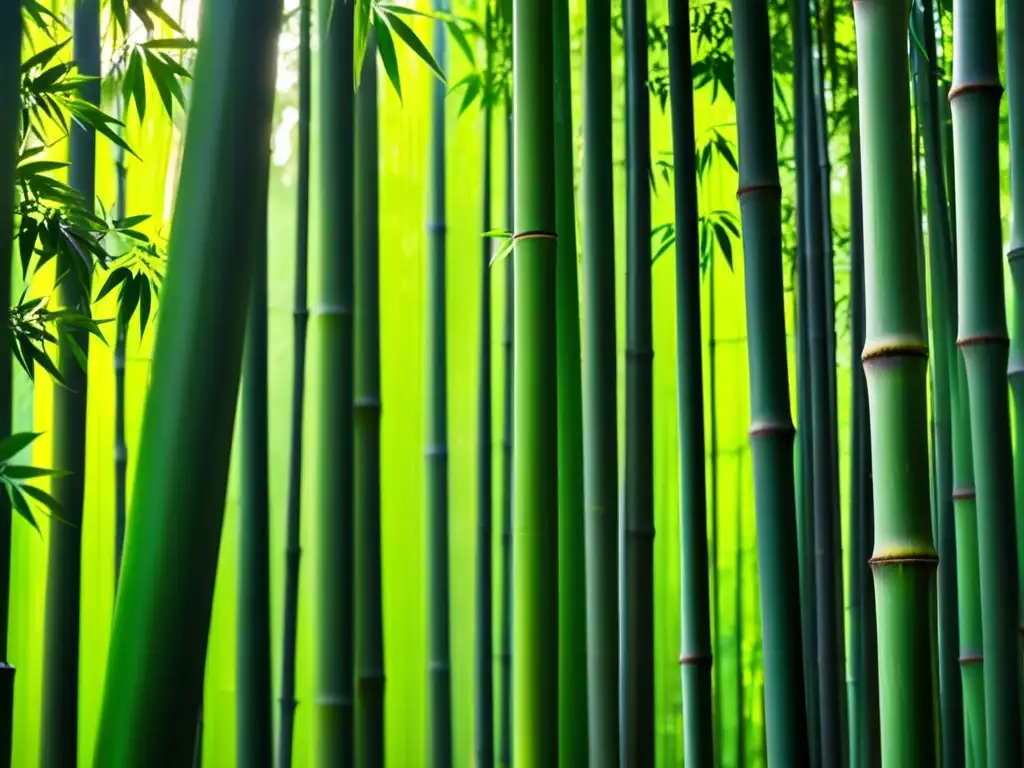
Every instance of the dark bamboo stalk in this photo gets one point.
(300, 315)
(695, 642)
(331, 320)
(369, 650)
(982, 338)
(637, 594)
(483, 708)
(573, 747)
(120, 367)
(771, 432)
(600, 425)
(741, 725)
(63, 574)
(10, 103)
(439, 708)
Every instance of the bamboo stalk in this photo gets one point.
(331, 325)
(154, 675)
(695, 640)
(254, 734)
(895, 366)
(535, 386)
(573, 747)
(439, 708)
(10, 103)
(59, 740)
(600, 423)
(741, 753)
(771, 432)
(484, 666)
(982, 338)
(300, 320)
(1013, 46)
(369, 650)
(864, 729)
(120, 367)
(637, 577)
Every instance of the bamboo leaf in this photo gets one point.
(131, 221)
(173, 43)
(386, 47)
(460, 40)
(44, 57)
(361, 31)
(145, 304)
(405, 32)
(472, 91)
(115, 278)
(27, 241)
(20, 505)
(134, 86)
(13, 445)
(53, 506)
(17, 472)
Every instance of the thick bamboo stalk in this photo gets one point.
(895, 366)
(600, 423)
(535, 387)
(982, 338)
(713, 461)
(254, 732)
(573, 746)
(300, 321)
(369, 651)
(1013, 46)
(483, 674)
(864, 745)
(154, 676)
(741, 715)
(10, 102)
(943, 332)
(771, 432)
(695, 635)
(120, 368)
(439, 707)
(331, 326)
(636, 647)
(59, 740)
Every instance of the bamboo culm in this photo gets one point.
(895, 366)
(600, 425)
(695, 642)
(300, 320)
(534, 391)
(154, 676)
(332, 379)
(10, 102)
(771, 431)
(59, 740)
(982, 337)
(369, 650)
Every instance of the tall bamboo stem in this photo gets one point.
(695, 641)
(300, 315)
(573, 744)
(895, 366)
(59, 738)
(982, 338)
(331, 318)
(600, 423)
(771, 431)
(154, 676)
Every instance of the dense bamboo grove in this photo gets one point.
(661, 402)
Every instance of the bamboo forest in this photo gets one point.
(512, 382)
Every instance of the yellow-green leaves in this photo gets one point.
(386, 21)
(14, 479)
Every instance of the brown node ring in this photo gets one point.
(983, 86)
(695, 659)
(751, 189)
(534, 234)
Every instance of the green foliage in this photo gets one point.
(386, 21)
(137, 275)
(15, 478)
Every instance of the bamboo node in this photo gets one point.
(765, 428)
(328, 309)
(534, 234)
(366, 404)
(923, 558)
(695, 659)
(982, 86)
(752, 189)
(642, 532)
(641, 354)
(436, 226)
(893, 347)
(1015, 254)
(964, 494)
(436, 451)
(983, 338)
(966, 660)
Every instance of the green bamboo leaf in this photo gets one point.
(53, 506)
(131, 221)
(13, 445)
(386, 47)
(39, 166)
(724, 242)
(142, 8)
(134, 86)
(405, 32)
(17, 472)
(27, 241)
(145, 305)
(161, 79)
(129, 299)
(361, 32)
(503, 252)
(119, 9)
(499, 233)
(173, 65)
(39, 356)
(115, 278)
(173, 43)
(20, 505)
(460, 40)
(48, 78)
(472, 91)
(24, 356)
(77, 351)
(43, 58)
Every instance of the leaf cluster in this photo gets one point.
(15, 479)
